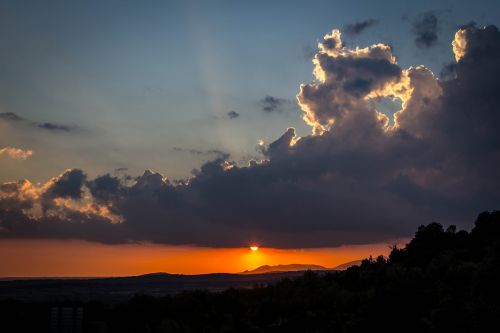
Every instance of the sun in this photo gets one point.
(254, 248)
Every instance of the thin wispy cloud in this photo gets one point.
(271, 104)
(426, 27)
(356, 28)
(10, 116)
(56, 127)
(49, 126)
(198, 151)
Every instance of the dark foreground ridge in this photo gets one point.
(443, 280)
(121, 289)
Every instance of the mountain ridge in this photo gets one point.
(264, 269)
(348, 264)
(285, 268)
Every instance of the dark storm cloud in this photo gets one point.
(233, 114)
(69, 185)
(356, 28)
(425, 28)
(12, 117)
(104, 187)
(357, 179)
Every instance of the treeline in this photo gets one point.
(443, 280)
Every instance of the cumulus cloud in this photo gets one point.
(425, 28)
(67, 185)
(345, 78)
(16, 153)
(356, 28)
(357, 178)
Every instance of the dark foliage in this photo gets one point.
(442, 281)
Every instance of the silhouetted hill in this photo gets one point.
(285, 268)
(346, 265)
(443, 280)
(120, 289)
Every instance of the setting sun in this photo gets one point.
(213, 166)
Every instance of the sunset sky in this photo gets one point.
(146, 136)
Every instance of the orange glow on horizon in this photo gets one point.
(30, 258)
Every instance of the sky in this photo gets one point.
(204, 127)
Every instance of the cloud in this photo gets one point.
(56, 127)
(16, 153)
(10, 116)
(272, 104)
(14, 118)
(233, 114)
(470, 24)
(425, 28)
(67, 185)
(357, 178)
(104, 187)
(198, 151)
(308, 52)
(345, 78)
(356, 28)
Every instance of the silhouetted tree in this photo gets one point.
(443, 280)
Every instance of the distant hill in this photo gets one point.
(285, 268)
(121, 289)
(346, 265)
(300, 267)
